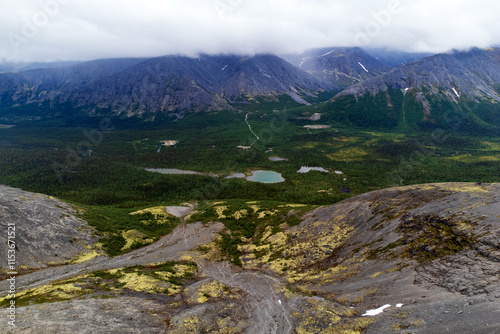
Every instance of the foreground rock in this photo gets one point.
(428, 255)
(47, 232)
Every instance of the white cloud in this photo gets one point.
(88, 29)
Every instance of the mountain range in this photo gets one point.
(344, 66)
(427, 92)
(362, 87)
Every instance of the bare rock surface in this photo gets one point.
(431, 252)
(46, 230)
(125, 315)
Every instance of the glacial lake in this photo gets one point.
(172, 171)
(265, 176)
(278, 159)
(261, 176)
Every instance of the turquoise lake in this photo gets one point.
(265, 176)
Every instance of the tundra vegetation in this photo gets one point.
(108, 181)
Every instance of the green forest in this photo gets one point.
(99, 165)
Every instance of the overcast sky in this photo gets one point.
(48, 30)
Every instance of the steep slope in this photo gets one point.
(429, 254)
(45, 231)
(396, 58)
(270, 76)
(181, 84)
(38, 91)
(339, 66)
(171, 84)
(424, 93)
(429, 247)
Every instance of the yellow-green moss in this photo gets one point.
(220, 211)
(159, 214)
(320, 316)
(212, 289)
(85, 257)
(132, 236)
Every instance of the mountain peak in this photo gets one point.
(429, 87)
(344, 66)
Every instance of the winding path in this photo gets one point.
(262, 302)
(250, 127)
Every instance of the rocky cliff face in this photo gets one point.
(133, 87)
(46, 231)
(426, 92)
(473, 74)
(418, 259)
(183, 84)
(340, 66)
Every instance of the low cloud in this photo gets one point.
(47, 30)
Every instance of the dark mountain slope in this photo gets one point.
(340, 66)
(180, 84)
(50, 84)
(172, 84)
(424, 93)
(396, 58)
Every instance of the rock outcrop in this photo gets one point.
(415, 259)
(47, 231)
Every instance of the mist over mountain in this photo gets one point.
(422, 94)
(396, 58)
(415, 95)
(344, 66)
(166, 84)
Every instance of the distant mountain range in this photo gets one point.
(172, 84)
(342, 66)
(367, 88)
(424, 93)
(396, 58)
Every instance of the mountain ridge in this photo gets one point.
(423, 93)
(342, 65)
(172, 83)
(416, 95)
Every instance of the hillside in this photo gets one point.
(433, 250)
(165, 85)
(47, 231)
(341, 66)
(428, 93)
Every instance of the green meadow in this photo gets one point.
(103, 171)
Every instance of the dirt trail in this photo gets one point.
(263, 303)
(169, 248)
(250, 127)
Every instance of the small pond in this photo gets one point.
(265, 176)
(278, 159)
(305, 169)
(172, 171)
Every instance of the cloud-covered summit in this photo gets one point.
(45, 30)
